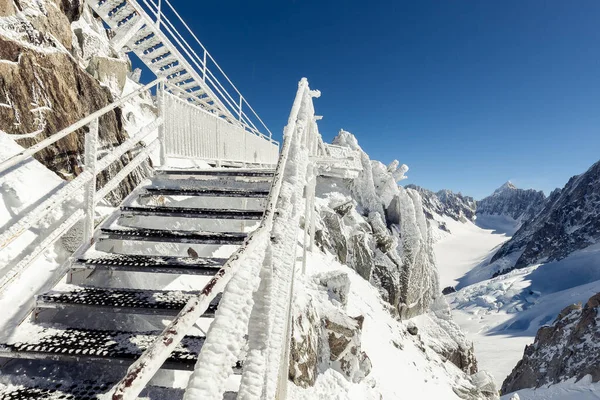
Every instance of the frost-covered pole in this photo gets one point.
(158, 14)
(160, 97)
(90, 158)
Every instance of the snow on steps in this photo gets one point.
(34, 341)
(188, 212)
(172, 236)
(152, 264)
(132, 301)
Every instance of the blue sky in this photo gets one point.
(468, 94)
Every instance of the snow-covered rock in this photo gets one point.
(569, 348)
(569, 221)
(45, 47)
(379, 229)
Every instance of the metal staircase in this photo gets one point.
(48, 337)
(155, 33)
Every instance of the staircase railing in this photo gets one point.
(167, 23)
(192, 132)
(84, 182)
(269, 251)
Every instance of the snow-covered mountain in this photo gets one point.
(509, 207)
(569, 221)
(569, 348)
(446, 202)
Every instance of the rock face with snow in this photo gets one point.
(446, 202)
(45, 48)
(379, 229)
(569, 221)
(519, 204)
(569, 348)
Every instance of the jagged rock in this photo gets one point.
(47, 91)
(569, 221)
(343, 342)
(337, 284)
(569, 348)
(412, 328)
(446, 203)
(482, 387)
(361, 255)
(336, 236)
(386, 278)
(448, 290)
(304, 346)
(110, 71)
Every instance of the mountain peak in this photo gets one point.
(507, 186)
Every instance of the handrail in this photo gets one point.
(22, 156)
(145, 367)
(217, 65)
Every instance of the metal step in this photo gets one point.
(90, 345)
(187, 212)
(171, 236)
(153, 264)
(130, 301)
(234, 172)
(51, 389)
(208, 192)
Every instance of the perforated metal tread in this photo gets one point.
(140, 263)
(27, 388)
(188, 212)
(132, 301)
(70, 344)
(267, 173)
(164, 235)
(208, 192)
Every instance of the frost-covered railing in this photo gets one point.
(86, 181)
(266, 260)
(192, 132)
(338, 161)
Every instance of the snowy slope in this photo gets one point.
(467, 246)
(403, 367)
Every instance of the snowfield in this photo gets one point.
(502, 315)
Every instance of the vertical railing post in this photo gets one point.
(158, 14)
(160, 95)
(90, 158)
(204, 67)
(240, 108)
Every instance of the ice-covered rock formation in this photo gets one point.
(379, 229)
(569, 348)
(569, 221)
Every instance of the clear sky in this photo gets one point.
(468, 94)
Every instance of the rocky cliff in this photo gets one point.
(447, 203)
(56, 67)
(569, 348)
(569, 221)
(519, 204)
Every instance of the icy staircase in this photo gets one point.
(144, 28)
(96, 317)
